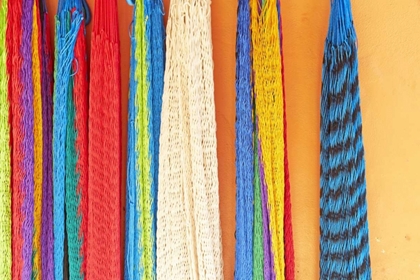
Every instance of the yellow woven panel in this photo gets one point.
(268, 90)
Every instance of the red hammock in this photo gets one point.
(103, 246)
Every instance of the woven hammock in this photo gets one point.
(344, 227)
(5, 156)
(146, 88)
(69, 20)
(21, 94)
(188, 219)
(103, 241)
(47, 240)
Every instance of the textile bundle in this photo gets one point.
(264, 242)
(344, 227)
(70, 141)
(145, 99)
(188, 219)
(104, 176)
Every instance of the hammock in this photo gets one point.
(19, 66)
(188, 219)
(344, 227)
(47, 239)
(103, 242)
(68, 22)
(146, 87)
(5, 156)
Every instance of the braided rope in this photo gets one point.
(344, 229)
(5, 156)
(244, 147)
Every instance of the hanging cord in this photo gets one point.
(47, 239)
(104, 246)
(244, 147)
(344, 240)
(5, 155)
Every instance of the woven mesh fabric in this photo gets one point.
(188, 219)
(27, 103)
(289, 253)
(78, 219)
(269, 109)
(67, 27)
(146, 87)
(244, 147)
(14, 64)
(103, 242)
(47, 192)
(38, 144)
(344, 239)
(5, 157)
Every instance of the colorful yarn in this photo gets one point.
(269, 110)
(146, 87)
(47, 241)
(38, 145)
(5, 156)
(103, 241)
(344, 228)
(244, 147)
(68, 22)
(14, 64)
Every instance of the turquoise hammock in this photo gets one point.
(145, 102)
(344, 227)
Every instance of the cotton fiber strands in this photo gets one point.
(21, 94)
(188, 219)
(70, 142)
(5, 157)
(47, 239)
(264, 246)
(146, 88)
(344, 227)
(103, 247)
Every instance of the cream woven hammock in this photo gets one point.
(188, 225)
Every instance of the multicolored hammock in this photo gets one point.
(103, 241)
(145, 99)
(70, 140)
(5, 156)
(264, 247)
(344, 227)
(188, 220)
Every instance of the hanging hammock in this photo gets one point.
(245, 156)
(47, 240)
(19, 65)
(188, 224)
(38, 142)
(103, 242)
(5, 156)
(68, 22)
(146, 87)
(344, 227)
(269, 110)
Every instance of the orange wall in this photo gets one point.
(388, 34)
